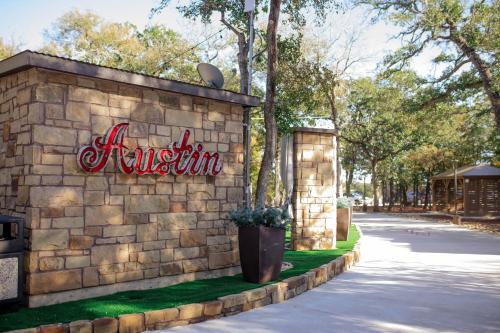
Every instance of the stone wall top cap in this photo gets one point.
(28, 59)
(316, 130)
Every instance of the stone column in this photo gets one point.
(314, 200)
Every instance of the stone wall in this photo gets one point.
(314, 198)
(100, 231)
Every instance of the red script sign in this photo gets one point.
(180, 158)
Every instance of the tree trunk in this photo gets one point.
(375, 186)
(404, 190)
(427, 190)
(339, 169)
(415, 192)
(391, 194)
(384, 192)
(483, 70)
(269, 105)
(348, 183)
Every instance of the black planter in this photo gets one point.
(261, 253)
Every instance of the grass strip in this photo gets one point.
(161, 298)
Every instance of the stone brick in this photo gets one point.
(190, 311)
(49, 239)
(88, 95)
(195, 265)
(149, 113)
(49, 93)
(183, 119)
(173, 268)
(105, 325)
(146, 204)
(192, 238)
(80, 326)
(43, 283)
(55, 196)
(147, 232)
(262, 302)
(148, 257)
(160, 316)
(109, 254)
(97, 183)
(119, 230)
(51, 263)
(67, 222)
(78, 242)
(230, 301)
(78, 111)
(51, 135)
(26, 330)
(90, 277)
(212, 308)
(77, 261)
(129, 276)
(176, 221)
(186, 253)
(255, 294)
(53, 328)
(100, 124)
(131, 323)
(234, 127)
(103, 215)
(222, 259)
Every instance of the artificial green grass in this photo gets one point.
(161, 298)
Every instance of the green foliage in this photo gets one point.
(466, 33)
(8, 49)
(271, 217)
(156, 50)
(344, 202)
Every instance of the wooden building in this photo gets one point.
(478, 190)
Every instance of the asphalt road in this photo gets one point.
(414, 276)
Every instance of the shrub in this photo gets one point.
(344, 202)
(273, 217)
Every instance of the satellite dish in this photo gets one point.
(211, 75)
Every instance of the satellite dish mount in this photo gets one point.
(211, 75)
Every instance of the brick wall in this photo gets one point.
(314, 198)
(96, 230)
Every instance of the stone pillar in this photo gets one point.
(314, 200)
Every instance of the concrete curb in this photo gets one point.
(224, 306)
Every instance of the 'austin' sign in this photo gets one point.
(180, 158)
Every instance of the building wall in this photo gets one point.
(314, 198)
(101, 231)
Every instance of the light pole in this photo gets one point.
(247, 121)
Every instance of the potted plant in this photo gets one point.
(344, 218)
(261, 236)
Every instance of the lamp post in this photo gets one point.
(247, 136)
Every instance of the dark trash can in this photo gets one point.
(11, 263)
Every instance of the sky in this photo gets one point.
(25, 22)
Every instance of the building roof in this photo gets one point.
(29, 59)
(481, 170)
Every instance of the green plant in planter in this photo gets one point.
(272, 217)
(261, 239)
(344, 203)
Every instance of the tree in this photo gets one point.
(8, 49)
(377, 124)
(466, 32)
(155, 50)
(234, 18)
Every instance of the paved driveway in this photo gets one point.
(415, 276)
